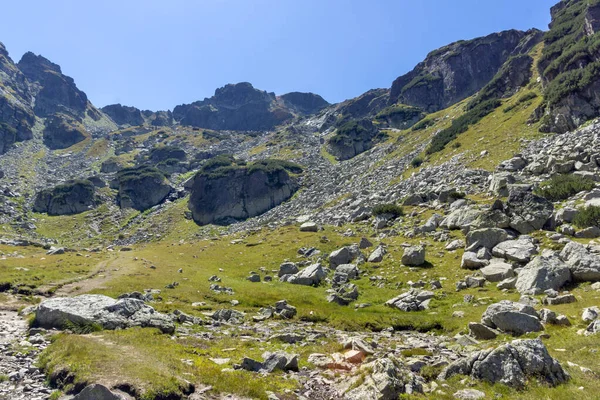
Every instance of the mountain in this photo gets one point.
(242, 107)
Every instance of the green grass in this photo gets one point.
(587, 217)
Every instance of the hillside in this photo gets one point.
(435, 239)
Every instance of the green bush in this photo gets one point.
(400, 112)
(138, 173)
(390, 208)
(416, 162)
(223, 165)
(587, 217)
(461, 124)
(526, 97)
(561, 187)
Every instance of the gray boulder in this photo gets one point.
(520, 250)
(515, 318)
(584, 266)
(544, 272)
(487, 238)
(309, 227)
(527, 211)
(497, 271)
(102, 310)
(287, 268)
(413, 256)
(377, 254)
(309, 276)
(460, 218)
(481, 331)
(100, 392)
(511, 364)
(471, 261)
(344, 255)
(413, 300)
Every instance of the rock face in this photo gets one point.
(511, 364)
(62, 131)
(352, 138)
(102, 310)
(515, 318)
(459, 70)
(237, 193)
(141, 187)
(124, 115)
(242, 107)
(569, 105)
(70, 198)
(16, 113)
(53, 91)
(304, 103)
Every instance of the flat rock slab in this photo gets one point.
(102, 310)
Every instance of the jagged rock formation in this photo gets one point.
(53, 91)
(16, 114)
(132, 116)
(459, 70)
(62, 131)
(353, 138)
(242, 107)
(69, 198)
(141, 187)
(224, 191)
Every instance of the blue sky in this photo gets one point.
(155, 54)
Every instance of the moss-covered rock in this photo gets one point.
(353, 138)
(225, 190)
(62, 131)
(141, 187)
(70, 198)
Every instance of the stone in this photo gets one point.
(563, 299)
(481, 332)
(488, 238)
(364, 243)
(102, 310)
(584, 265)
(377, 254)
(497, 271)
(386, 379)
(515, 318)
(510, 364)
(527, 211)
(309, 276)
(455, 245)
(72, 197)
(520, 250)
(228, 315)
(460, 218)
(591, 232)
(413, 256)
(100, 392)
(471, 261)
(309, 227)
(544, 272)
(469, 394)
(590, 314)
(413, 300)
(287, 268)
(340, 256)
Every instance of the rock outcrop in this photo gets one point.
(353, 138)
(93, 309)
(224, 193)
(124, 115)
(141, 187)
(62, 131)
(459, 70)
(303, 103)
(69, 198)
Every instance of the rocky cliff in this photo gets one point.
(225, 191)
(62, 131)
(16, 113)
(570, 66)
(141, 187)
(69, 198)
(353, 138)
(132, 116)
(459, 70)
(242, 107)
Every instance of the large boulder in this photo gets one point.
(497, 271)
(309, 276)
(344, 255)
(224, 190)
(460, 218)
(353, 138)
(527, 211)
(544, 272)
(511, 364)
(413, 256)
(100, 392)
(62, 131)
(515, 318)
(585, 266)
(142, 187)
(90, 309)
(520, 250)
(69, 198)
(487, 238)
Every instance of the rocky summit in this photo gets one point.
(436, 238)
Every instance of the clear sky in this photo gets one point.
(156, 54)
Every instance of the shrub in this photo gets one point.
(416, 162)
(526, 97)
(461, 124)
(456, 145)
(390, 209)
(587, 217)
(423, 124)
(561, 187)
(127, 175)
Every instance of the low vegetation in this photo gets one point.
(561, 187)
(587, 217)
(388, 209)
